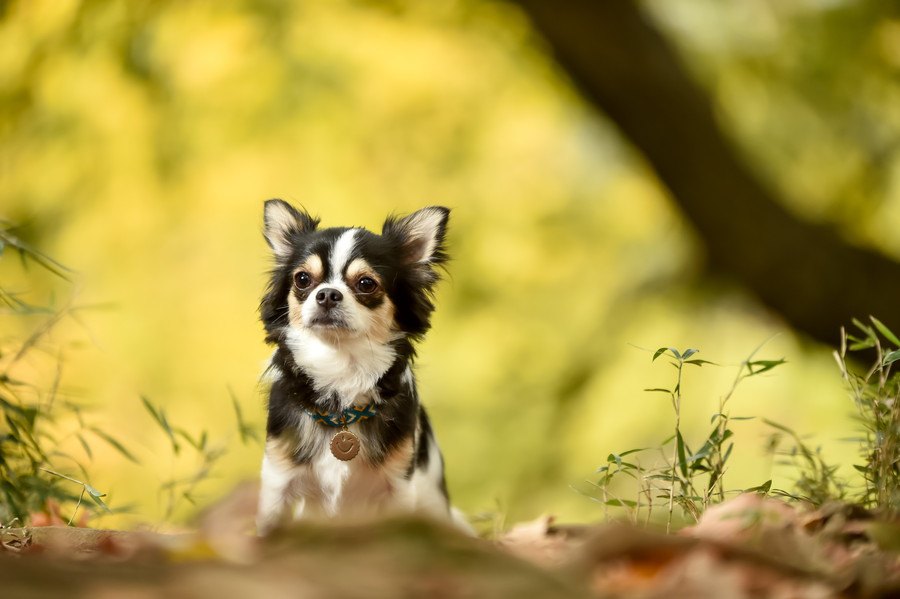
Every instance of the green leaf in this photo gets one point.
(862, 327)
(858, 344)
(727, 452)
(621, 503)
(658, 390)
(115, 444)
(762, 489)
(96, 499)
(760, 366)
(780, 427)
(688, 353)
(635, 450)
(704, 451)
(160, 417)
(699, 362)
(888, 334)
(613, 457)
(85, 446)
(682, 460)
(156, 415)
(891, 357)
(26, 251)
(658, 353)
(92, 491)
(187, 437)
(246, 431)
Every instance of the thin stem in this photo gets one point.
(676, 403)
(77, 505)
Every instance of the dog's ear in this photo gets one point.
(420, 235)
(281, 222)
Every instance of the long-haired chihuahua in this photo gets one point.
(346, 432)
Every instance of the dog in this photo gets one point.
(346, 434)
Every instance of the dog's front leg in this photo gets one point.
(274, 494)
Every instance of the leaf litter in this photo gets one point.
(749, 546)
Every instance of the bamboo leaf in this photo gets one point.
(160, 417)
(891, 357)
(888, 334)
(778, 426)
(760, 366)
(621, 503)
(635, 450)
(115, 444)
(688, 353)
(658, 390)
(85, 446)
(762, 489)
(246, 431)
(97, 499)
(679, 447)
(93, 492)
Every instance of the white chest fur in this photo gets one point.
(349, 367)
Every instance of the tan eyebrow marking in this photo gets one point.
(359, 267)
(313, 265)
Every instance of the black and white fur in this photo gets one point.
(341, 342)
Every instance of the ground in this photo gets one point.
(748, 547)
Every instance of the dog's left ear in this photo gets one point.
(420, 235)
(281, 222)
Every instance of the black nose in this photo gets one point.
(329, 297)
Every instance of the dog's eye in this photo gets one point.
(302, 279)
(366, 285)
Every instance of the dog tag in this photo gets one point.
(344, 445)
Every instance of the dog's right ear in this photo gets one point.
(281, 222)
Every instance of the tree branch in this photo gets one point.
(806, 272)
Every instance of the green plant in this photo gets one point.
(691, 480)
(38, 422)
(876, 395)
(37, 418)
(694, 480)
(816, 481)
(177, 489)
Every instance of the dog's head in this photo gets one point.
(342, 283)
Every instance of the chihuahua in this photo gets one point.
(346, 434)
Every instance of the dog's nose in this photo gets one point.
(329, 297)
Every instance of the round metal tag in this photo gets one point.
(345, 445)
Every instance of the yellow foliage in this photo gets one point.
(139, 140)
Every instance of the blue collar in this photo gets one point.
(345, 417)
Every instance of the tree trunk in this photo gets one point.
(806, 272)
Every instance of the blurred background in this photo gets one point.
(686, 173)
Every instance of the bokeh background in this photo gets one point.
(139, 139)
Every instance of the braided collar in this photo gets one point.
(345, 417)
